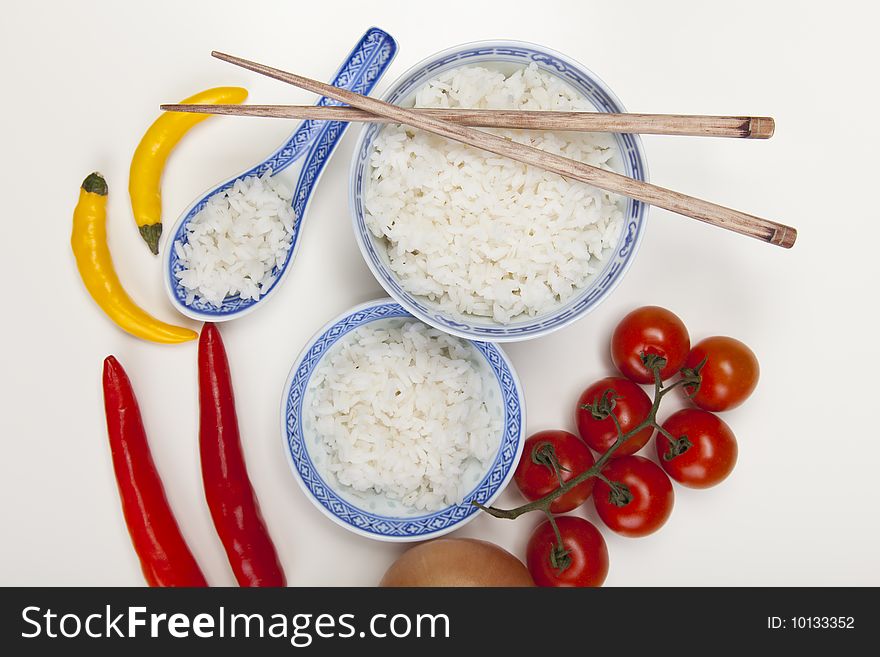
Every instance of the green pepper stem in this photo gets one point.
(95, 184)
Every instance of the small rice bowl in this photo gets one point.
(477, 235)
(401, 410)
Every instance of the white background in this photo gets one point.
(81, 81)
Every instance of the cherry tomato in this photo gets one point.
(729, 375)
(587, 557)
(711, 454)
(535, 479)
(631, 406)
(649, 330)
(650, 493)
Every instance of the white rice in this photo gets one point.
(400, 412)
(234, 245)
(478, 234)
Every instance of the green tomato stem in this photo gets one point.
(543, 504)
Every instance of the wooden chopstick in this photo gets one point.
(689, 206)
(743, 127)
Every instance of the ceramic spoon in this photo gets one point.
(310, 146)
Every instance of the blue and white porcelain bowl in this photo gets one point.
(503, 54)
(371, 514)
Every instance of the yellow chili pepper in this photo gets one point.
(89, 244)
(145, 177)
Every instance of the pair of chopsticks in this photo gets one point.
(458, 125)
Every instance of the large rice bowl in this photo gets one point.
(480, 236)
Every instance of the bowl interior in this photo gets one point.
(504, 56)
(374, 514)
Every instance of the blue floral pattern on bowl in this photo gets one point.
(635, 212)
(365, 521)
(314, 140)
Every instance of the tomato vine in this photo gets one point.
(620, 494)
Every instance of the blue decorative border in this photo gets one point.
(364, 521)
(635, 213)
(316, 140)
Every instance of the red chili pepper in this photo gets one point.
(231, 499)
(165, 557)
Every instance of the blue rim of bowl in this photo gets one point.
(365, 523)
(635, 214)
(318, 140)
